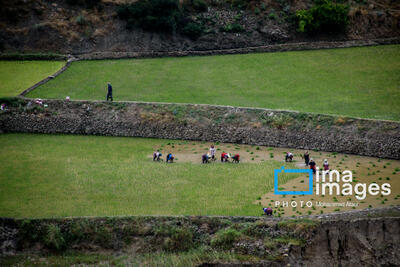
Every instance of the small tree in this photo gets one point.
(193, 30)
(324, 16)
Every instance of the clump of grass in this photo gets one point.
(54, 239)
(175, 238)
(80, 20)
(225, 238)
(289, 241)
(298, 225)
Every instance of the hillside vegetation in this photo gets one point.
(82, 26)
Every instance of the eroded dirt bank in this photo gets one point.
(62, 26)
(363, 238)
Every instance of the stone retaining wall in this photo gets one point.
(207, 123)
(259, 49)
(45, 80)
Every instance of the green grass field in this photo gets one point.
(60, 175)
(362, 82)
(16, 76)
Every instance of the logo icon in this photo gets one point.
(283, 170)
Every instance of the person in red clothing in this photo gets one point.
(313, 166)
(236, 158)
(224, 157)
(326, 165)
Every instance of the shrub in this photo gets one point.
(81, 20)
(225, 238)
(103, 236)
(200, 5)
(324, 16)
(86, 3)
(12, 101)
(180, 240)
(272, 15)
(193, 30)
(234, 27)
(175, 238)
(29, 231)
(240, 4)
(78, 231)
(281, 121)
(152, 15)
(54, 239)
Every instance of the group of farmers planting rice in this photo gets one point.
(210, 156)
(205, 158)
(227, 157)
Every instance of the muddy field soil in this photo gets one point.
(364, 169)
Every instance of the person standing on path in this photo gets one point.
(109, 93)
(212, 151)
(306, 158)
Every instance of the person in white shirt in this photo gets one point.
(157, 156)
(289, 156)
(212, 151)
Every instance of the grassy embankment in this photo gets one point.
(362, 82)
(16, 76)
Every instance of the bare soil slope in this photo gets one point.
(43, 25)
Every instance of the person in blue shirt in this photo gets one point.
(109, 93)
(205, 158)
(267, 211)
(170, 158)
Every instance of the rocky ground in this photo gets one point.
(56, 26)
(206, 123)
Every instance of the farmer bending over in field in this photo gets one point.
(205, 158)
(313, 166)
(109, 92)
(170, 158)
(267, 211)
(157, 156)
(289, 156)
(224, 157)
(236, 158)
(326, 165)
